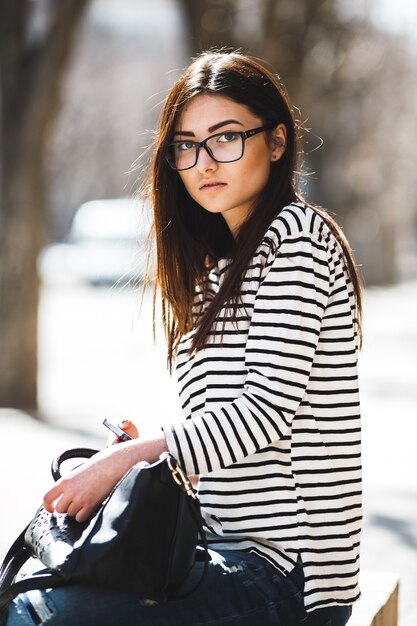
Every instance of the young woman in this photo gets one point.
(261, 306)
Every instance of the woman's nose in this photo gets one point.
(205, 161)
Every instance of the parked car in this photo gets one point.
(106, 245)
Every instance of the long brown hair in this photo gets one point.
(189, 238)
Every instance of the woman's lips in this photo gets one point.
(211, 187)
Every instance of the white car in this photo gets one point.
(107, 245)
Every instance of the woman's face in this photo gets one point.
(227, 188)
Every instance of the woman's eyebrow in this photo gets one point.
(211, 129)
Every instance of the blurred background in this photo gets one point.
(82, 84)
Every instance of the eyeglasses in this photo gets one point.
(223, 147)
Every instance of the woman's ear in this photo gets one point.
(278, 142)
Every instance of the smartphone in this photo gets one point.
(117, 431)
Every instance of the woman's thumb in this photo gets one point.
(129, 427)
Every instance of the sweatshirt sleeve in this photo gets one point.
(281, 345)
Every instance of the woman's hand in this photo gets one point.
(128, 427)
(80, 492)
(84, 489)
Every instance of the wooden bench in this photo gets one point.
(378, 605)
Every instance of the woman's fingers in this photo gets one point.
(52, 496)
(62, 505)
(83, 514)
(72, 510)
(129, 427)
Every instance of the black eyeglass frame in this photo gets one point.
(245, 134)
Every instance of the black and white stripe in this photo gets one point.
(272, 416)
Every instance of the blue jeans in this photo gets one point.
(241, 589)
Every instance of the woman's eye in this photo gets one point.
(227, 137)
(183, 146)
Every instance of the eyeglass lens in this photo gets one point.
(223, 148)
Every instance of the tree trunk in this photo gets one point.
(31, 73)
(21, 238)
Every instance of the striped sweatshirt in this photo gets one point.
(271, 410)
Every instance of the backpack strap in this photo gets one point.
(17, 556)
(73, 453)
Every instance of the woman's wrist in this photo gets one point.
(126, 454)
(143, 450)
